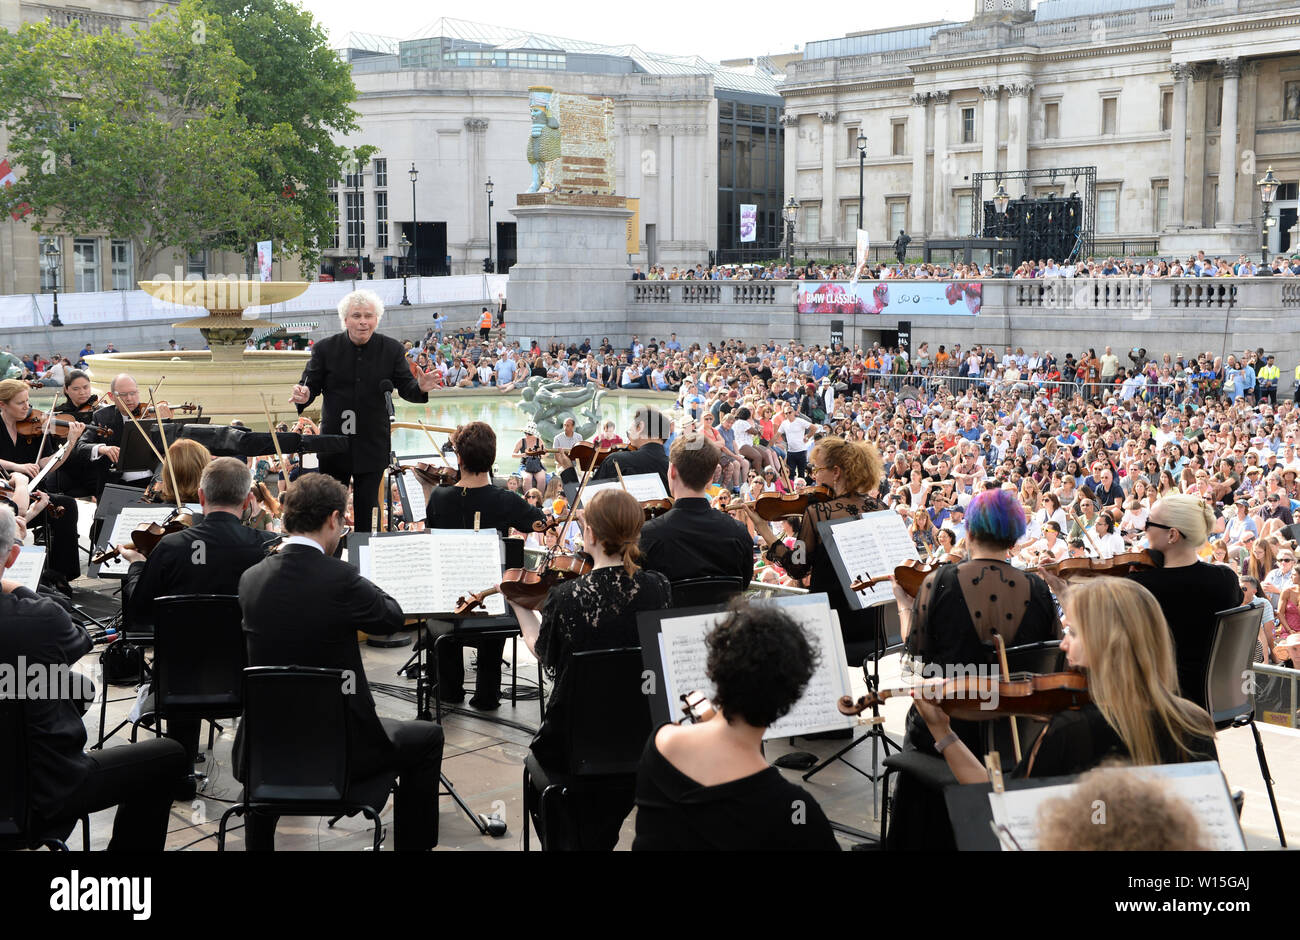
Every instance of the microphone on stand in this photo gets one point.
(387, 388)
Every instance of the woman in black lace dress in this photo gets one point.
(596, 611)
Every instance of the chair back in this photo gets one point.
(295, 732)
(13, 770)
(1041, 657)
(700, 592)
(609, 714)
(199, 656)
(1226, 690)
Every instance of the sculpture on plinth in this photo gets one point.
(544, 139)
(548, 402)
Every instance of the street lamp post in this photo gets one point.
(862, 166)
(403, 247)
(1267, 193)
(53, 256)
(490, 267)
(414, 174)
(790, 212)
(356, 207)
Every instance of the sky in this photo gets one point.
(710, 29)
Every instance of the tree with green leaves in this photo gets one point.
(301, 84)
(167, 136)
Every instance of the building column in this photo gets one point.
(1228, 143)
(942, 165)
(829, 207)
(1182, 72)
(1247, 190)
(919, 134)
(991, 93)
(1018, 125)
(476, 236)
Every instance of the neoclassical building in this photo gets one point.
(693, 141)
(1140, 89)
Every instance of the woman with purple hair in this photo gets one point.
(948, 628)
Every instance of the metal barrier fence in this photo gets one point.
(1276, 694)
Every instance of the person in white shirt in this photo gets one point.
(1104, 542)
(1051, 547)
(794, 429)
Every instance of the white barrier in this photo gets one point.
(36, 310)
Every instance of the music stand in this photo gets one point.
(135, 454)
(881, 645)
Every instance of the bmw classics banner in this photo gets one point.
(905, 298)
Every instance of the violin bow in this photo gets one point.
(122, 408)
(167, 464)
(1001, 644)
(275, 441)
(438, 450)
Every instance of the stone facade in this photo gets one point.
(1142, 94)
(460, 126)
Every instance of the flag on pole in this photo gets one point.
(9, 178)
(860, 261)
(264, 260)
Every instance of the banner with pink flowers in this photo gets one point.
(905, 298)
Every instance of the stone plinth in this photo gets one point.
(571, 278)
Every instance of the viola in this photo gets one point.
(584, 453)
(696, 708)
(775, 506)
(145, 538)
(528, 587)
(982, 698)
(435, 475)
(32, 427)
(1121, 565)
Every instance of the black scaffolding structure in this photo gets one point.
(987, 221)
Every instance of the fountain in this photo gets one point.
(227, 379)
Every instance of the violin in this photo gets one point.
(145, 538)
(981, 698)
(1121, 565)
(653, 508)
(528, 587)
(32, 427)
(909, 576)
(775, 506)
(696, 708)
(435, 475)
(585, 454)
(88, 407)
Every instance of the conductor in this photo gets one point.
(349, 369)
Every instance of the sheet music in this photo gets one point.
(427, 572)
(643, 486)
(27, 569)
(873, 545)
(683, 654)
(124, 525)
(415, 495)
(1200, 784)
(468, 562)
(402, 566)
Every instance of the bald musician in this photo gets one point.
(102, 451)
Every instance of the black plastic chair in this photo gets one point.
(609, 722)
(16, 830)
(199, 659)
(298, 754)
(1227, 699)
(701, 592)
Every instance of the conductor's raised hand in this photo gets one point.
(427, 381)
(301, 395)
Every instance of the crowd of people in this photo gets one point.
(1198, 265)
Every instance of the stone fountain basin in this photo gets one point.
(227, 390)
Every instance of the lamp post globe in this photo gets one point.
(53, 257)
(403, 249)
(1267, 193)
(790, 212)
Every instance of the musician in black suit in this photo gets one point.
(694, 540)
(349, 369)
(63, 780)
(304, 607)
(102, 451)
(454, 507)
(650, 428)
(208, 558)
